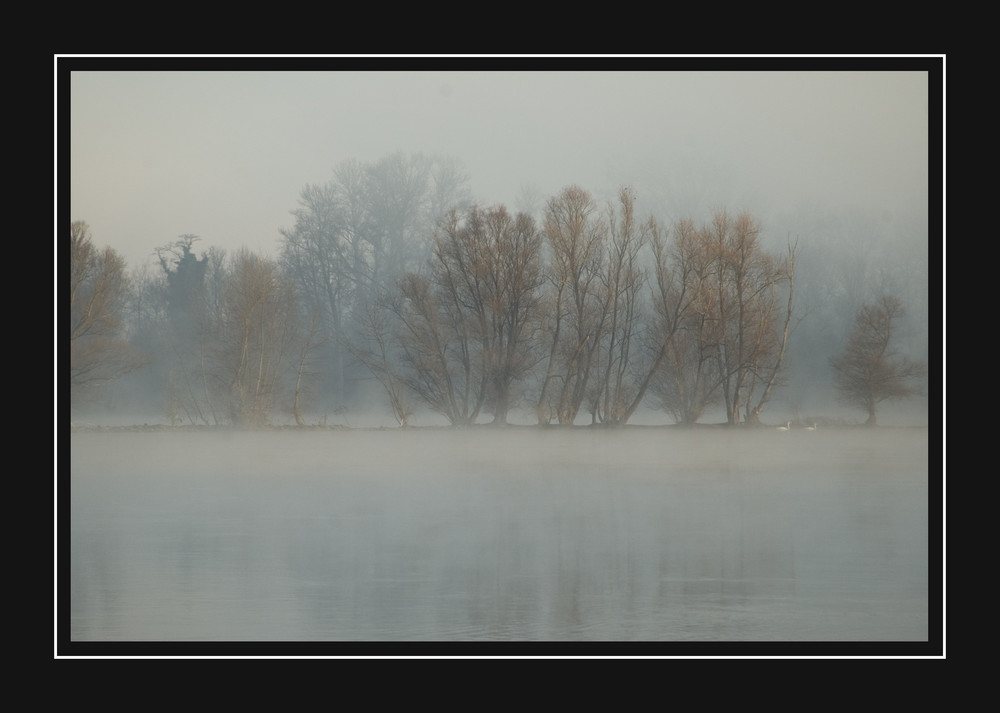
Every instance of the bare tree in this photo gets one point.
(868, 372)
(99, 289)
(318, 256)
(375, 347)
(306, 369)
(723, 316)
(443, 365)
(467, 330)
(573, 313)
(355, 236)
(616, 394)
(753, 323)
(686, 324)
(405, 197)
(773, 331)
(510, 260)
(258, 334)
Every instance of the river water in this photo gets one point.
(486, 535)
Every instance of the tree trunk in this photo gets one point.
(502, 406)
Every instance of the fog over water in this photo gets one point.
(349, 529)
(486, 535)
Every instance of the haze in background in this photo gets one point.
(836, 161)
(224, 155)
(518, 534)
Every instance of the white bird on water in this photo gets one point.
(787, 426)
(811, 427)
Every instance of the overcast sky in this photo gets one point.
(224, 155)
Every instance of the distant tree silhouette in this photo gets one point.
(186, 335)
(357, 234)
(376, 346)
(98, 352)
(868, 372)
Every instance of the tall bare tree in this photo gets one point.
(868, 371)
(753, 320)
(318, 256)
(510, 261)
(573, 314)
(772, 333)
(99, 289)
(620, 386)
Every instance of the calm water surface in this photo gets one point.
(519, 535)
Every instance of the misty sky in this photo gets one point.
(225, 154)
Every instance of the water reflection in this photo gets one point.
(645, 536)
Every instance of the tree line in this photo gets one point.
(390, 272)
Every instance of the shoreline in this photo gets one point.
(83, 427)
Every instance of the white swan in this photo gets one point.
(787, 426)
(811, 427)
